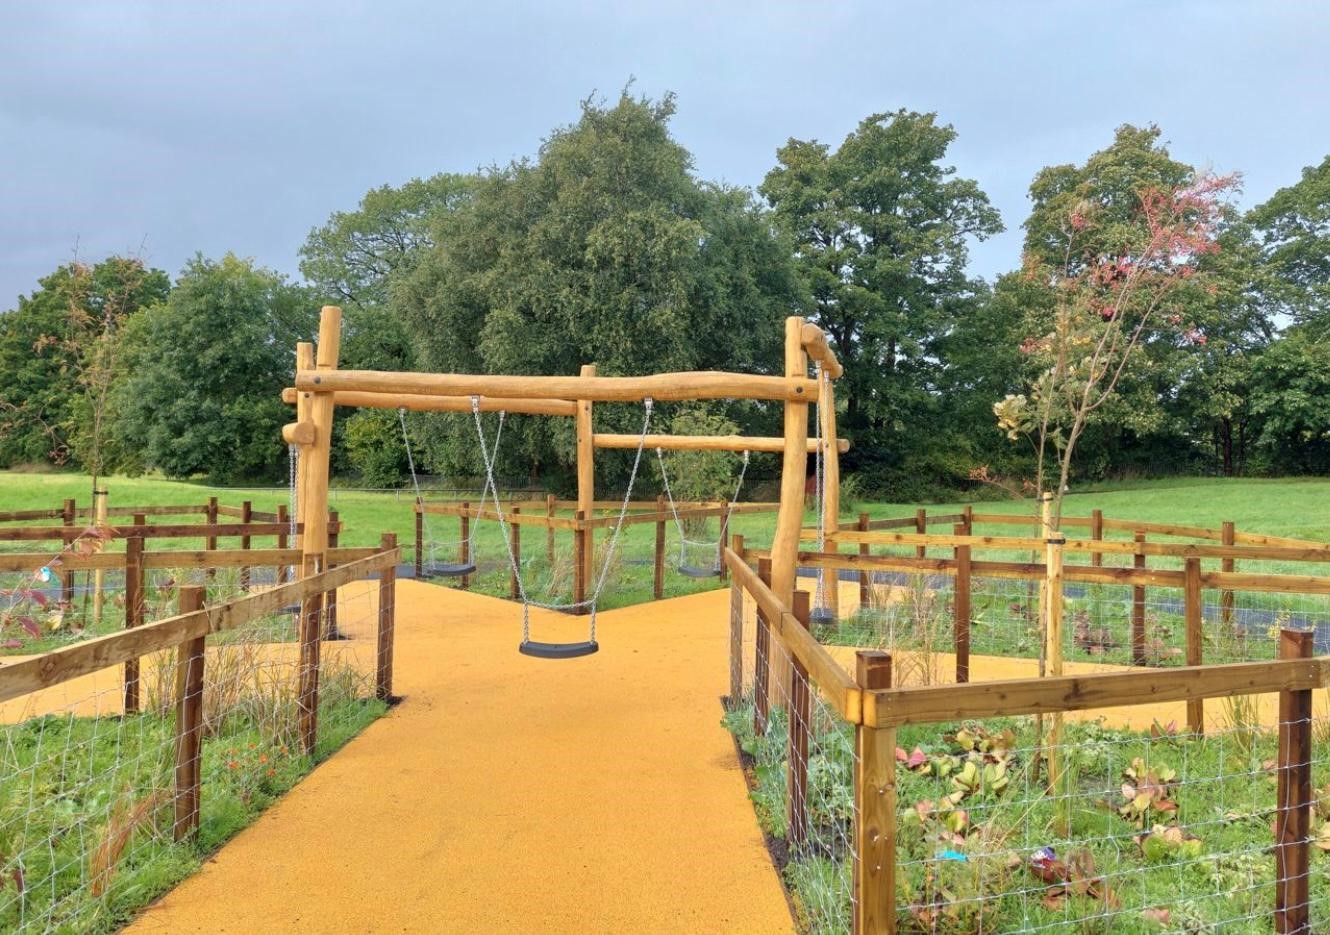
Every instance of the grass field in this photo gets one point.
(1298, 507)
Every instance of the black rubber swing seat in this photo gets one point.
(557, 650)
(450, 570)
(697, 571)
(822, 617)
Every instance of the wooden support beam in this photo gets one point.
(815, 344)
(661, 386)
(794, 465)
(298, 433)
(736, 443)
(417, 403)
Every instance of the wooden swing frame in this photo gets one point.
(320, 387)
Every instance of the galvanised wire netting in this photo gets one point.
(89, 768)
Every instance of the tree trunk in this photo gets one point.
(1226, 439)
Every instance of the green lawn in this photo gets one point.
(1299, 508)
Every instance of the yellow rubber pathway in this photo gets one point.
(510, 794)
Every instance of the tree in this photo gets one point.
(58, 350)
(1115, 248)
(1294, 226)
(353, 257)
(1290, 402)
(603, 249)
(880, 229)
(200, 392)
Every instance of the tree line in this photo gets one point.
(605, 246)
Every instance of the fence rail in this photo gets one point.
(868, 704)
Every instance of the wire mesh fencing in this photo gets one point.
(116, 779)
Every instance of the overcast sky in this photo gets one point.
(176, 127)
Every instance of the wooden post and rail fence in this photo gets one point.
(875, 709)
(188, 632)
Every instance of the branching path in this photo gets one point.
(513, 794)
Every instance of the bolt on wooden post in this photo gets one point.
(874, 869)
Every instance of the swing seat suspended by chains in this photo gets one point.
(557, 650)
(537, 648)
(822, 618)
(697, 571)
(683, 566)
(449, 569)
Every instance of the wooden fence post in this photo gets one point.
(210, 542)
(736, 631)
(67, 517)
(420, 539)
(921, 527)
(967, 520)
(801, 716)
(1293, 811)
(307, 702)
(1138, 608)
(874, 869)
(865, 580)
(961, 606)
(246, 517)
(1096, 533)
(762, 660)
(515, 537)
(551, 506)
(134, 604)
(383, 682)
(724, 536)
(99, 519)
(189, 721)
(282, 541)
(1053, 646)
(658, 579)
(1226, 596)
(464, 550)
(330, 600)
(1192, 618)
(579, 561)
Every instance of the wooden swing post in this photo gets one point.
(826, 412)
(790, 516)
(586, 482)
(314, 514)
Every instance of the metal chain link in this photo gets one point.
(593, 600)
